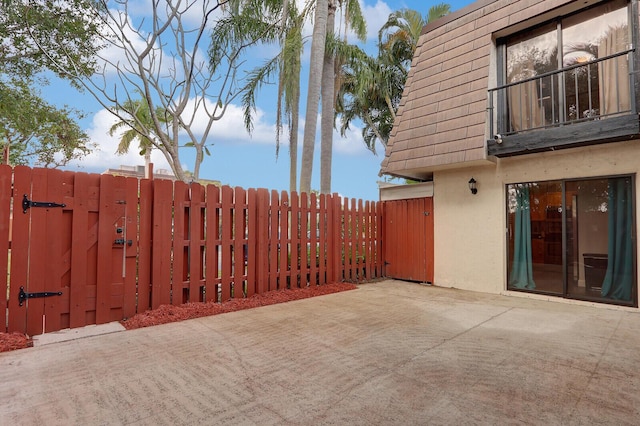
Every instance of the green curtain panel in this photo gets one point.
(618, 280)
(521, 276)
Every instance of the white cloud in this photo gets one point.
(104, 155)
(352, 143)
(376, 16)
(230, 128)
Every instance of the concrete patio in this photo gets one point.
(387, 353)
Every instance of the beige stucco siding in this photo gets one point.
(470, 229)
(442, 118)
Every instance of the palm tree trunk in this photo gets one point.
(293, 142)
(313, 94)
(328, 103)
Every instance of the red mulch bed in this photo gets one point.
(168, 313)
(13, 341)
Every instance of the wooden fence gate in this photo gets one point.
(73, 244)
(408, 239)
(80, 249)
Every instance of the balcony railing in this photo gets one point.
(586, 91)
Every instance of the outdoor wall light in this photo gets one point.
(472, 186)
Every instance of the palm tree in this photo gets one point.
(273, 22)
(286, 65)
(139, 127)
(373, 86)
(332, 78)
(313, 92)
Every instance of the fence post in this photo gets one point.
(274, 241)
(338, 239)
(162, 242)
(312, 241)
(239, 230)
(145, 221)
(294, 245)
(252, 243)
(212, 247)
(283, 239)
(322, 241)
(196, 242)
(5, 235)
(262, 241)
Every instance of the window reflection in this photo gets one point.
(590, 88)
(573, 239)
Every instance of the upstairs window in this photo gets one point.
(575, 68)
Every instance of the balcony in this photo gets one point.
(591, 102)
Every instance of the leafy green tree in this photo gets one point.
(373, 86)
(278, 23)
(37, 37)
(48, 35)
(35, 132)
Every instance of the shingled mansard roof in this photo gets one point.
(441, 120)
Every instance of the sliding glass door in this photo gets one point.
(573, 239)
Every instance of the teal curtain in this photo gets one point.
(618, 280)
(521, 275)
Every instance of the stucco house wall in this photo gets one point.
(441, 133)
(470, 243)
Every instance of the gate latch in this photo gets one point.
(22, 296)
(27, 203)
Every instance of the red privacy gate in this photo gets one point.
(80, 249)
(408, 239)
(73, 246)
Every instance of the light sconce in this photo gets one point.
(472, 186)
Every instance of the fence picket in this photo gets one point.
(80, 246)
(5, 237)
(212, 246)
(252, 205)
(19, 250)
(131, 248)
(322, 239)
(239, 241)
(294, 242)
(226, 213)
(38, 255)
(181, 211)
(106, 236)
(144, 207)
(262, 240)
(274, 239)
(162, 242)
(196, 243)
(302, 234)
(312, 240)
(57, 232)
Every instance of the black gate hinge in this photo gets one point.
(26, 204)
(22, 296)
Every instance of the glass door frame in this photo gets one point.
(566, 267)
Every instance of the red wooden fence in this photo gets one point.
(120, 245)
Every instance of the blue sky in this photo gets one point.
(249, 161)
